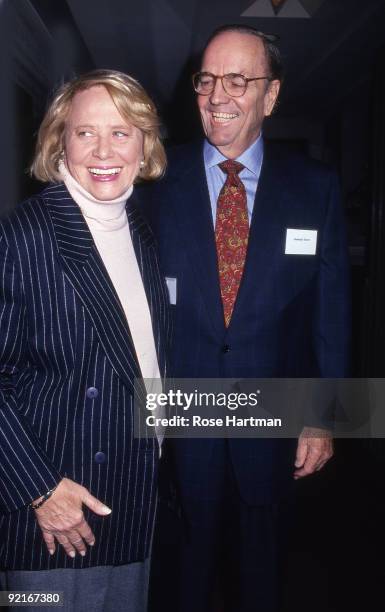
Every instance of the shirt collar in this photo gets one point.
(251, 158)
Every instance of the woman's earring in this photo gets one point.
(142, 164)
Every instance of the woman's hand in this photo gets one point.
(61, 517)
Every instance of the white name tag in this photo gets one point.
(171, 286)
(300, 242)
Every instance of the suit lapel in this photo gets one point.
(193, 212)
(86, 272)
(266, 238)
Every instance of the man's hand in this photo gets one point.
(315, 448)
(61, 517)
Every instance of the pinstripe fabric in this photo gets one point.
(62, 331)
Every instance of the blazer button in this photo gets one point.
(92, 392)
(100, 457)
(225, 348)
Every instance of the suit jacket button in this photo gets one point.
(100, 457)
(225, 348)
(92, 392)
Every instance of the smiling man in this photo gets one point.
(233, 101)
(249, 300)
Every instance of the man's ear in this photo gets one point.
(271, 96)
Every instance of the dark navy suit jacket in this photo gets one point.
(292, 313)
(67, 369)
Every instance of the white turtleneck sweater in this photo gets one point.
(108, 223)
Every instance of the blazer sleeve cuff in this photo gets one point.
(26, 472)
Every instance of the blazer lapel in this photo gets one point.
(192, 208)
(86, 272)
(155, 289)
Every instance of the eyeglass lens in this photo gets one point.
(233, 84)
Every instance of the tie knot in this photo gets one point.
(230, 166)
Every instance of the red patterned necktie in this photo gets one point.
(231, 234)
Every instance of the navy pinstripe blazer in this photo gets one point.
(67, 367)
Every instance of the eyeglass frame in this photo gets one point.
(221, 77)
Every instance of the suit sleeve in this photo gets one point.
(332, 320)
(333, 311)
(25, 470)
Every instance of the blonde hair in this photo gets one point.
(132, 102)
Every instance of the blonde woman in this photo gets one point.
(82, 315)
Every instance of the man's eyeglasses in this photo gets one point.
(234, 84)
